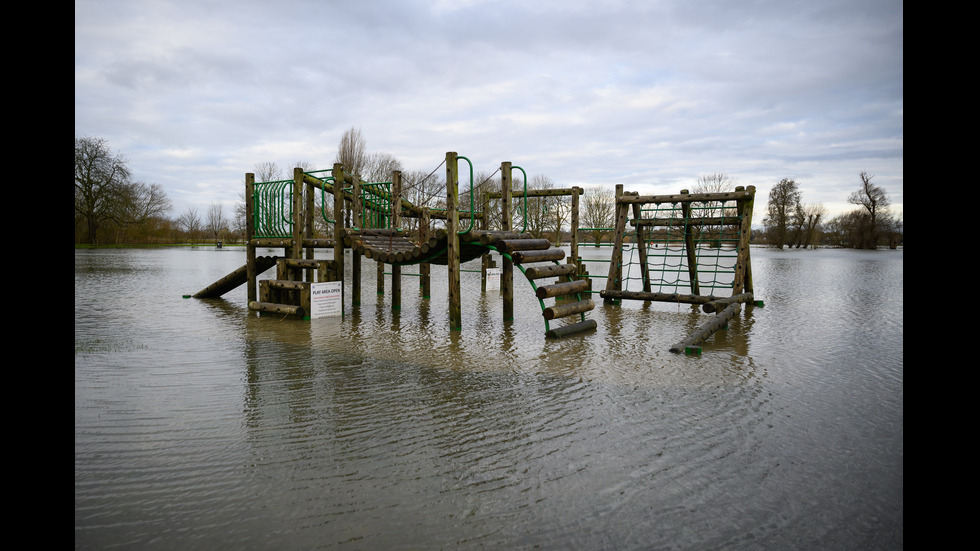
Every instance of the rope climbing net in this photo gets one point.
(688, 248)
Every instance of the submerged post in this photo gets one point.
(507, 272)
(396, 210)
(298, 225)
(615, 280)
(452, 237)
(338, 224)
(251, 271)
(424, 268)
(743, 267)
(691, 252)
(355, 220)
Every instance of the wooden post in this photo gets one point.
(355, 284)
(452, 227)
(642, 244)
(298, 222)
(339, 256)
(507, 271)
(615, 280)
(576, 192)
(251, 272)
(692, 256)
(396, 212)
(743, 266)
(484, 225)
(309, 211)
(425, 281)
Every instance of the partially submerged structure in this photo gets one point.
(689, 243)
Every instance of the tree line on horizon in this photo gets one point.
(112, 208)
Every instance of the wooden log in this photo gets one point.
(550, 270)
(656, 297)
(474, 236)
(235, 278)
(303, 263)
(688, 197)
(490, 238)
(317, 243)
(718, 322)
(276, 308)
(700, 221)
(568, 309)
(722, 303)
(287, 285)
(521, 257)
(548, 192)
(562, 289)
(508, 245)
(571, 329)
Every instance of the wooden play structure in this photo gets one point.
(694, 244)
(685, 247)
(281, 214)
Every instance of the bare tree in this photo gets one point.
(216, 220)
(267, 171)
(600, 206)
(538, 214)
(100, 176)
(717, 182)
(141, 202)
(875, 201)
(238, 221)
(190, 222)
(558, 211)
(809, 218)
(379, 166)
(352, 154)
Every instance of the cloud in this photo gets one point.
(649, 94)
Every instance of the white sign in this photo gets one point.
(493, 278)
(326, 299)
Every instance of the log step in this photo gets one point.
(522, 257)
(509, 245)
(551, 270)
(562, 289)
(305, 263)
(288, 285)
(275, 308)
(568, 309)
(571, 329)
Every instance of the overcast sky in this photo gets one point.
(647, 93)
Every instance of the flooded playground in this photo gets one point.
(200, 424)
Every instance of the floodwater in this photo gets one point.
(199, 425)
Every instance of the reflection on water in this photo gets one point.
(200, 425)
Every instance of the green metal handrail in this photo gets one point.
(323, 191)
(523, 229)
(273, 208)
(472, 213)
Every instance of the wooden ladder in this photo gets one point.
(566, 290)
